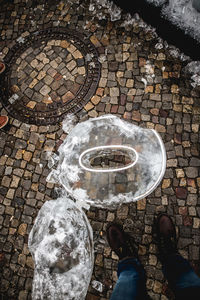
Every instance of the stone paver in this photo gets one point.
(141, 82)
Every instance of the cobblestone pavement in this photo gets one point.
(142, 81)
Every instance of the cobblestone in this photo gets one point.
(54, 73)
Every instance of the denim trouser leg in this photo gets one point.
(182, 278)
(131, 284)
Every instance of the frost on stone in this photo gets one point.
(89, 57)
(97, 286)
(106, 161)
(21, 40)
(52, 159)
(91, 7)
(159, 46)
(112, 9)
(56, 23)
(61, 243)
(102, 58)
(176, 53)
(69, 122)
(115, 12)
(193, 68)
(144, 81)
(149, 73)
(13, 98)
(92, 64)
(149, 68)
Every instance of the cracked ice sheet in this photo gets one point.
(108, 188)
(61, 243)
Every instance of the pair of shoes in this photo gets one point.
(2, 67)
(123, 245)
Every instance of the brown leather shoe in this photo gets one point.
(120, 242)
(2, 67)
(3, 121)
(166, 236)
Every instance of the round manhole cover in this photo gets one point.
(49, 74)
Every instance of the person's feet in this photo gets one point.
(120, 242)
(166, 236)
(2, 67)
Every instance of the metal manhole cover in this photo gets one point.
(49, 74)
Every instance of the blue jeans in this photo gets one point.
(131, 284)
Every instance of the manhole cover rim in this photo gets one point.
(52, 115)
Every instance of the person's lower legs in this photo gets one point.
(177, 270)
(180, 276)
(131, 284)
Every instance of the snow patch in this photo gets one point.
(193, 68)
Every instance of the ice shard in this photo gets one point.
(106, 161)
(61, 244)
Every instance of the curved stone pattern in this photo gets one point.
(49, 74)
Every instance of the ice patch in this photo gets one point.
(115, 12)
(159, 46)
(13, 98)
(97, 286)
(69, 122)
(89, 57)
(61, 243)
(20, 40)
(194, 69)
(109, 173)
(144, 81)
(91, 7)
(102, 58)
(112, 9)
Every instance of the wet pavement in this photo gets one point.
(142, 80)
